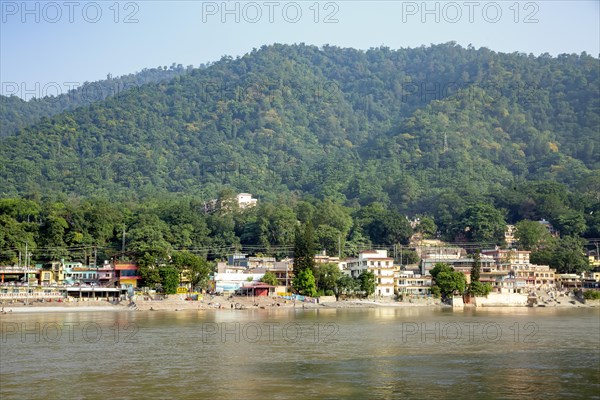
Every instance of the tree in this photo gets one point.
(532, 235)
(427, 227)
(270, 279)
(367, 282)
(326, 277)
(570, 223)
(384, 226)
(14, 235)
(408, 256)
(304, 249)
(482, 223)
(334, 215)
(476, 288)
(397, 229)
(569, 257)
(148, 265)
(448, 280)
(345, 285)
(196, 268)
(149, 234)
(479, 288)
(169, 276)
(304, 283)
(54, 230)
(356, 242)
(476, 268)
(329, 239)
(439, 267)
(566, 255)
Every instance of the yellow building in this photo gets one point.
(538, 276)
(52, 273)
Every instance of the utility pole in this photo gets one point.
(400, 256)
(339, 247)
(123, 245)
(26, 264)
(26, 275)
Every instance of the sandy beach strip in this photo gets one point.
(238, 303)
(34, 309)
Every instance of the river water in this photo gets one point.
(383, 353)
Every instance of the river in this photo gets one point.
(383, 353)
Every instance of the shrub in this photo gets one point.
(591, 295)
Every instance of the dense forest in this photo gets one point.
(95, 229)
(346, 141)
(16, 113)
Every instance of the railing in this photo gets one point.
(34, 295)
(17, 269)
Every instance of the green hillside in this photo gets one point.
(344, 141)
(400, 127)
(16, 113)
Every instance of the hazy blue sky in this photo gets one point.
(45, 45)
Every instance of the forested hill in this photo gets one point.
(16, 113)
(401, 127)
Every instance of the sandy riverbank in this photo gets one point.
(67, 306)
(219, 302)
(241, 303)
(208, 303)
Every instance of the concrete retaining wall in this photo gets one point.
(457, 302)
(502, 300)
(327, 299)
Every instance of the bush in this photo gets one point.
(479, 289)
(591, 295)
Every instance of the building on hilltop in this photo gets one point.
(509, 236)
(245, 200)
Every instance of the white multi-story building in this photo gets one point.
(245, 200)
(509, 236)
(508, 259)
(409, 283)
(382, 267)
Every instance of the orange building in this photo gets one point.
(127, 274)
